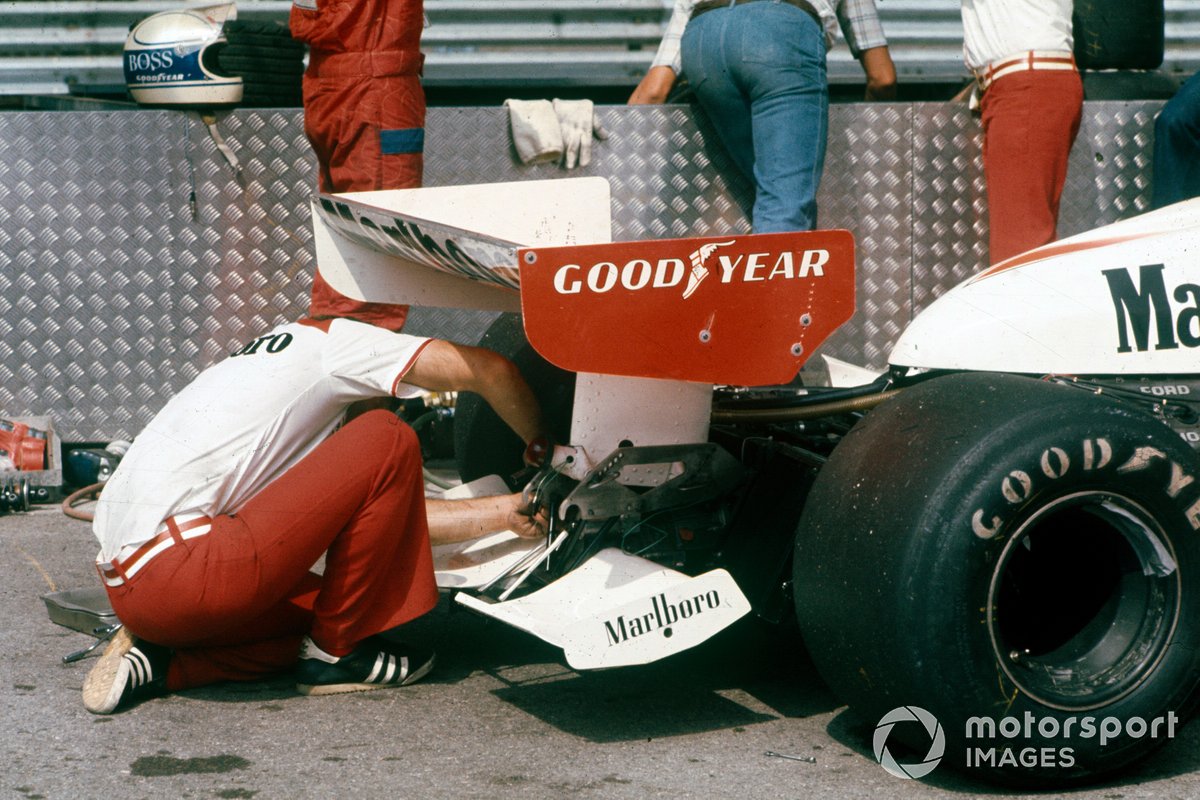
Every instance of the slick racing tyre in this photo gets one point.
(267, 59)
(483, 443)
(1017, 558)
(1118, 34)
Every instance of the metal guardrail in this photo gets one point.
(64, 45)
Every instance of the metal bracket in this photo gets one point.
(678, 475)
(104, 633)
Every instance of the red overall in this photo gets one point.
(364, 108)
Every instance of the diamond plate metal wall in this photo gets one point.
(866, 189)
(948, 205)
(1108, 177)
(245, 260)
(86, 285)
(115, 290)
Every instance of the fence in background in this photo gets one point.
(75, 45)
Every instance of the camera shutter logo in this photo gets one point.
(937, 742)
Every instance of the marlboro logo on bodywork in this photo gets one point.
(660, 615)
(745, 310)
(1145, 310)
(617, 609)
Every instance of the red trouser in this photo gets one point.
(1030, 120)
(235, 603)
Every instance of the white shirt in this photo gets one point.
(244, 421)
(997, 29)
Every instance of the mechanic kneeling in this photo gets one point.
(211, 525)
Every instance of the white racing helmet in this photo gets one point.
(169, 59)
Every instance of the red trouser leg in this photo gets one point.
(368, 133)
(1030, 120)
(234, 603)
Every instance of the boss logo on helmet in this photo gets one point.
(150, 60)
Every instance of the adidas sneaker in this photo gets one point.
(374, 664)
(130, 671)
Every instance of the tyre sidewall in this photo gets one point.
(937, 534)
(966, 571)
(483, 443)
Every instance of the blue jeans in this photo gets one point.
(1177, 147)
(758, 70)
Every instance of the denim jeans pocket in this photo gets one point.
(777, 33)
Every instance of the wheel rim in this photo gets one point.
(1083, 601)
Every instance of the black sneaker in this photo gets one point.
(372, 665)
(129, 671)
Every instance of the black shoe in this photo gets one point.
(129, 671)
(372, 665)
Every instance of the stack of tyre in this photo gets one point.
(267, 59)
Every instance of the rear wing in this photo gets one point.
(741, 310)
(451, 246)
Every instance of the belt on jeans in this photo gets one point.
(1032, 59)
(133, 557)
(710, 5)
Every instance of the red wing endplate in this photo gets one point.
(741, 310)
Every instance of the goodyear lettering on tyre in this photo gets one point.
(1016, 488)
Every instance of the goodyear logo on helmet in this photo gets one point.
(743, 310)
(167, 58)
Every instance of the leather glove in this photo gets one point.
(577, 120)
(536, 131)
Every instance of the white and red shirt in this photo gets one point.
(997, 29)
(246, 420)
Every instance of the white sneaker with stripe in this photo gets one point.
(128, 671)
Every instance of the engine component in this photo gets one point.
(1174, 401)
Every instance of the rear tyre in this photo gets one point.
(267, 59)
(1118, 34)
(1015, 557)
(483, 443)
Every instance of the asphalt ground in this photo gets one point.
(500, 717)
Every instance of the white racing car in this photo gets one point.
(998, 534)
